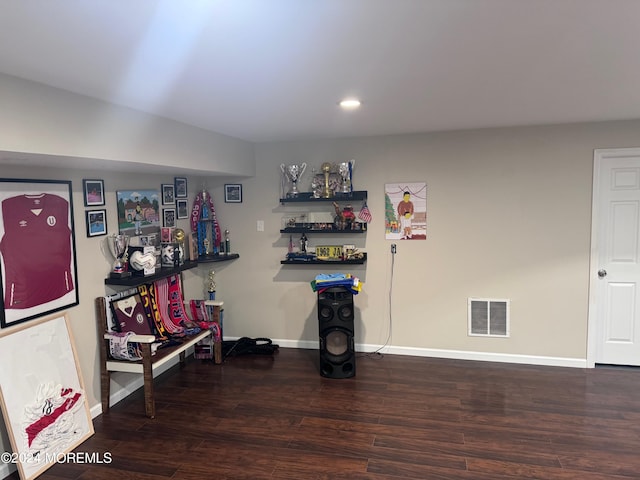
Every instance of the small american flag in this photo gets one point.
(365, 213)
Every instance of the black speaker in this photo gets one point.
(335, 326)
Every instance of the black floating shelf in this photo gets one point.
(323, 262)
(337, 197)
(221, 257)
(358, 261)
(135, 280)
(325, 230)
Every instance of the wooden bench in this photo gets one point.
(149, 363)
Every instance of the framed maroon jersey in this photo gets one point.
(37, 249)
(130, 316)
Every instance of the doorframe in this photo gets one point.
(600, 156)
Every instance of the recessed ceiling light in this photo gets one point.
(350, 103)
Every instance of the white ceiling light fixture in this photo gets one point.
(350, 103)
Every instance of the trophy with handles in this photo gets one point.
(118, 246)
(293, 173)
(345, 169)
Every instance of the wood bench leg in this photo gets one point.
(105, 387)
(105, 375)
(147, 372)
(182, 357)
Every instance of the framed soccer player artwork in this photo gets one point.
(233, 193)
(180, 184)
(93, 193)
(182, 208)
(168, 194)
(169, 217)
(44, 402)
(138, 212)
(405, 211)
(96, 222)
(37, 249)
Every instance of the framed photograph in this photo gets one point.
(93, 193)
(180, 183)
(168, 194)
(169, 217)
(182, 208)
(233, 193)
(44, 402)
(38, 249)
(406, 211)
(138, 212)
(96, 222)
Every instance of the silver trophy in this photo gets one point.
(345, 169)
(118, 246)
(293, 174)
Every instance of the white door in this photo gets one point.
(614, 313)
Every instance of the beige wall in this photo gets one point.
(93, 262)
(50, 134)
(57, 127)
(508, 214)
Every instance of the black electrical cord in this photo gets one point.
(377, 353)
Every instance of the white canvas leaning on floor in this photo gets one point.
(43, 399)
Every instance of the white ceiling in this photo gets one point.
(264, 70)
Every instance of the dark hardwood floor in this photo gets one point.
(263, 417)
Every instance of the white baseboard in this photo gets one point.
(453, 354)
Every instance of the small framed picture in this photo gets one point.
(96, 223)
(182, 208)
(166, 234)
(168, 194)
(233, 193)
(181, 187)
(148, 240)
(93, 193)
(169, 217)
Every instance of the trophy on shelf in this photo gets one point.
(118, 246)
(327, 191)
(345, 169)
(227, 242)
(211, 285)
(179, 237)
(293, 174)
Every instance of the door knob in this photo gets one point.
(602, 273)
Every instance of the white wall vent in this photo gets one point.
(488, 317)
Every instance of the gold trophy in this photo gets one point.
(211, 285)
(179, 237)
(326, 170)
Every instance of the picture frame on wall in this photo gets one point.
(182, 208)
(406, 214)
(38, 249)
(96, 222)
(138, 212)
(233, 193)
(180, 184)
(93, 192)
(44, 402)
(169, 217)
(168, 194)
